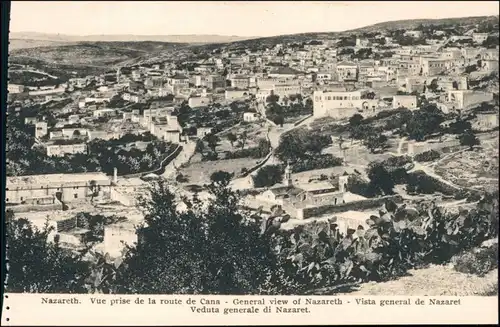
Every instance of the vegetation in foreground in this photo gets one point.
(218, 249)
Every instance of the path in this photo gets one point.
(429, 171)
(183, 157)
(36, 72)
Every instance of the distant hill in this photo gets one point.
(30, 38)
(413, 23)
(89, 57)
(392, 25)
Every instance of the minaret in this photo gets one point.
(288, 175)
(118, 75)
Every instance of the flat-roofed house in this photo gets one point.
(65, 187)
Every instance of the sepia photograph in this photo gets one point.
(244, 148)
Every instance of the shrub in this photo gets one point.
(478, 262)
(317, 162)
(426, 156)
(268, 176)
(399, 238)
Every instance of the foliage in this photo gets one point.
(399, 238)
(427, 156)
(469, 139)
(424, 122)
(301, 144)
(215, 250)
(355, 120)
(37, 265)
(268, 176)
(459, 126)
(24, 159)
(319, 161)
(381, 180)
(212, 141)
(260, 151)
(478, 262)
(376, 142)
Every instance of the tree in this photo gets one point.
(278, 120)
(355, 120)
(433, 87)
(200, 146)
(424, 122)
(268, 176)
(459, 126)
(376, 141)
(243, 138)
(381, 180)
(232, 138)
(273, 98)
(39, 265)
(212, 141)
(221, 177)
(469, 139)
(212, 249)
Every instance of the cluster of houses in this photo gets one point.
(339, 81)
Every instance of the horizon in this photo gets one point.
(238, 15)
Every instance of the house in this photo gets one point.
(341, 104)
(104, 112)
(235, 94)
(240, 82)
(286, 90)
(414, 34)
(485, 121)
(285, 72)
(434, 66)
(347, 71)
(15, 88)
(466, 99)
(50, 91)
(489, 65)
(479, 37)
(60, 149)
(41, 129)
(250, 117)
(201, 132)
(40, 189)
(295, 198)
(30, 120)
(166, 128)
(176, 83)
(404, 101)
(198, 101)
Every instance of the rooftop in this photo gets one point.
(56, 179)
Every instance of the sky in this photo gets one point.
(255, 18)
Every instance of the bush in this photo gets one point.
(268, 176)
(317, 162)
(400, 238)
(478, 262)
(426, 156)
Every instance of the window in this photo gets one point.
(22, 198)
(75, 196)
(7, 200)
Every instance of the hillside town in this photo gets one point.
(318, 129)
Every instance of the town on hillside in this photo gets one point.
(305, 132)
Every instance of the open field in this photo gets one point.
(476, 169)
(199, 172)
(255, 131)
